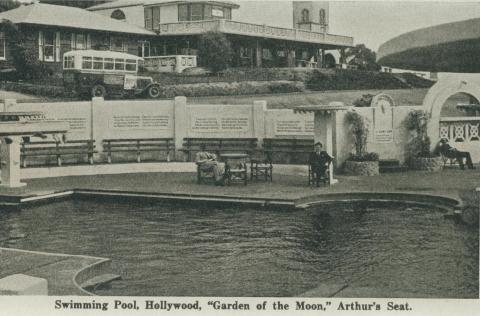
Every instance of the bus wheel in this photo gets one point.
(99, 91)
(153, 91)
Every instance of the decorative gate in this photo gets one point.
(462, 133)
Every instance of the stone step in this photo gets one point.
(392, 169)
(388, 163)
(99, 280)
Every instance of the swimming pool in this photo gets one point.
(182, 250)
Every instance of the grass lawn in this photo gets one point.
(290, 100)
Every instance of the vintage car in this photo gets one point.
(92, 73)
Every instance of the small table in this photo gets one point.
(235, 167)
(261, 168)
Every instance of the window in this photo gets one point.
(148, 18)
(267, 54)
(86, 62)
(49, 46)
(68, 62)
(118, 15)
(98, 63)
(200, 11)
(305, 15)
(108, 64)
(156, 18)
(80, 41)
(323, 20)
(119, 64)
(183, 12)
(117, 44)
(217, 12)
(131, 65)
(144, 49)
(2, 46)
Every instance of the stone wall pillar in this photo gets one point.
(181, 125)
(291, 58)
(10, 161)
(97, 126)
(323, 132)
(258, 54)
(258, 115)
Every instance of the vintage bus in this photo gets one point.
(92, 73)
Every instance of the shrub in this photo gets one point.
(364, 101)
(419, 144)
(234, 88)
(359, 129)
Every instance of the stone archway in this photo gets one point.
(462, 132)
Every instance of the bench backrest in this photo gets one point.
(288, 150)
(219, 145)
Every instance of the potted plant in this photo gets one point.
(360, 163)
(419, 156)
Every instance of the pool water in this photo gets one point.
(182, 250)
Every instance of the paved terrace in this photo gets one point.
(449, 183)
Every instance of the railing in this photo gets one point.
(240, 28)
(460, 129)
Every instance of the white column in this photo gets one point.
(181, 123)
(10, 160)
(323, 132)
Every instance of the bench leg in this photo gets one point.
(90, 159)
(109, 158)
(59, 161)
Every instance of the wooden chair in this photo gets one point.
(261, 167)
(313, 178)
(448, 161)
(204, 177)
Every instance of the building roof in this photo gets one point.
(100, 53)
(61, 16)
(130, 3)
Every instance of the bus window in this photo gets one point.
(86, 62)
(98, 63)
(68, 62)
(131, 65)
(119, 64)
(108, 64)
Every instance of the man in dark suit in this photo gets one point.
(448, 151)
(319, 161)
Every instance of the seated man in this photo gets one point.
(319, 161)
(448, 151)
(207, 162)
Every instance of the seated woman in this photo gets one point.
(448, 151)
(319, 161)
(207, 162)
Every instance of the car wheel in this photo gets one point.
(153, 91)
(99, 91)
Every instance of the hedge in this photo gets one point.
(35, 89)
(234, 88)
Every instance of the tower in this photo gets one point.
(311, 15)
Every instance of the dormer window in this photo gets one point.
(305, 16)
(118, 15)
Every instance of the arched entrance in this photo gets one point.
(454, 115)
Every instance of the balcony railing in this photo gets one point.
(257, 30)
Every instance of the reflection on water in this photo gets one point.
(164, 250)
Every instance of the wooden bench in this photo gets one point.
(219, 146)
(138, 146)
(295, 149)
(57, 149)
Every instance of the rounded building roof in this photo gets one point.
(450, 47)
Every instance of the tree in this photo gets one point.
(215, 51)
(362, 57)
(25, 58)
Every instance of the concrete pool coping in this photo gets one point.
(64, 273)
(445, 203)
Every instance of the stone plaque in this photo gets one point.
(383, 118)
(294, 126)
(208, 124)
(140, 122)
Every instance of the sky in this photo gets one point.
(368, 22)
